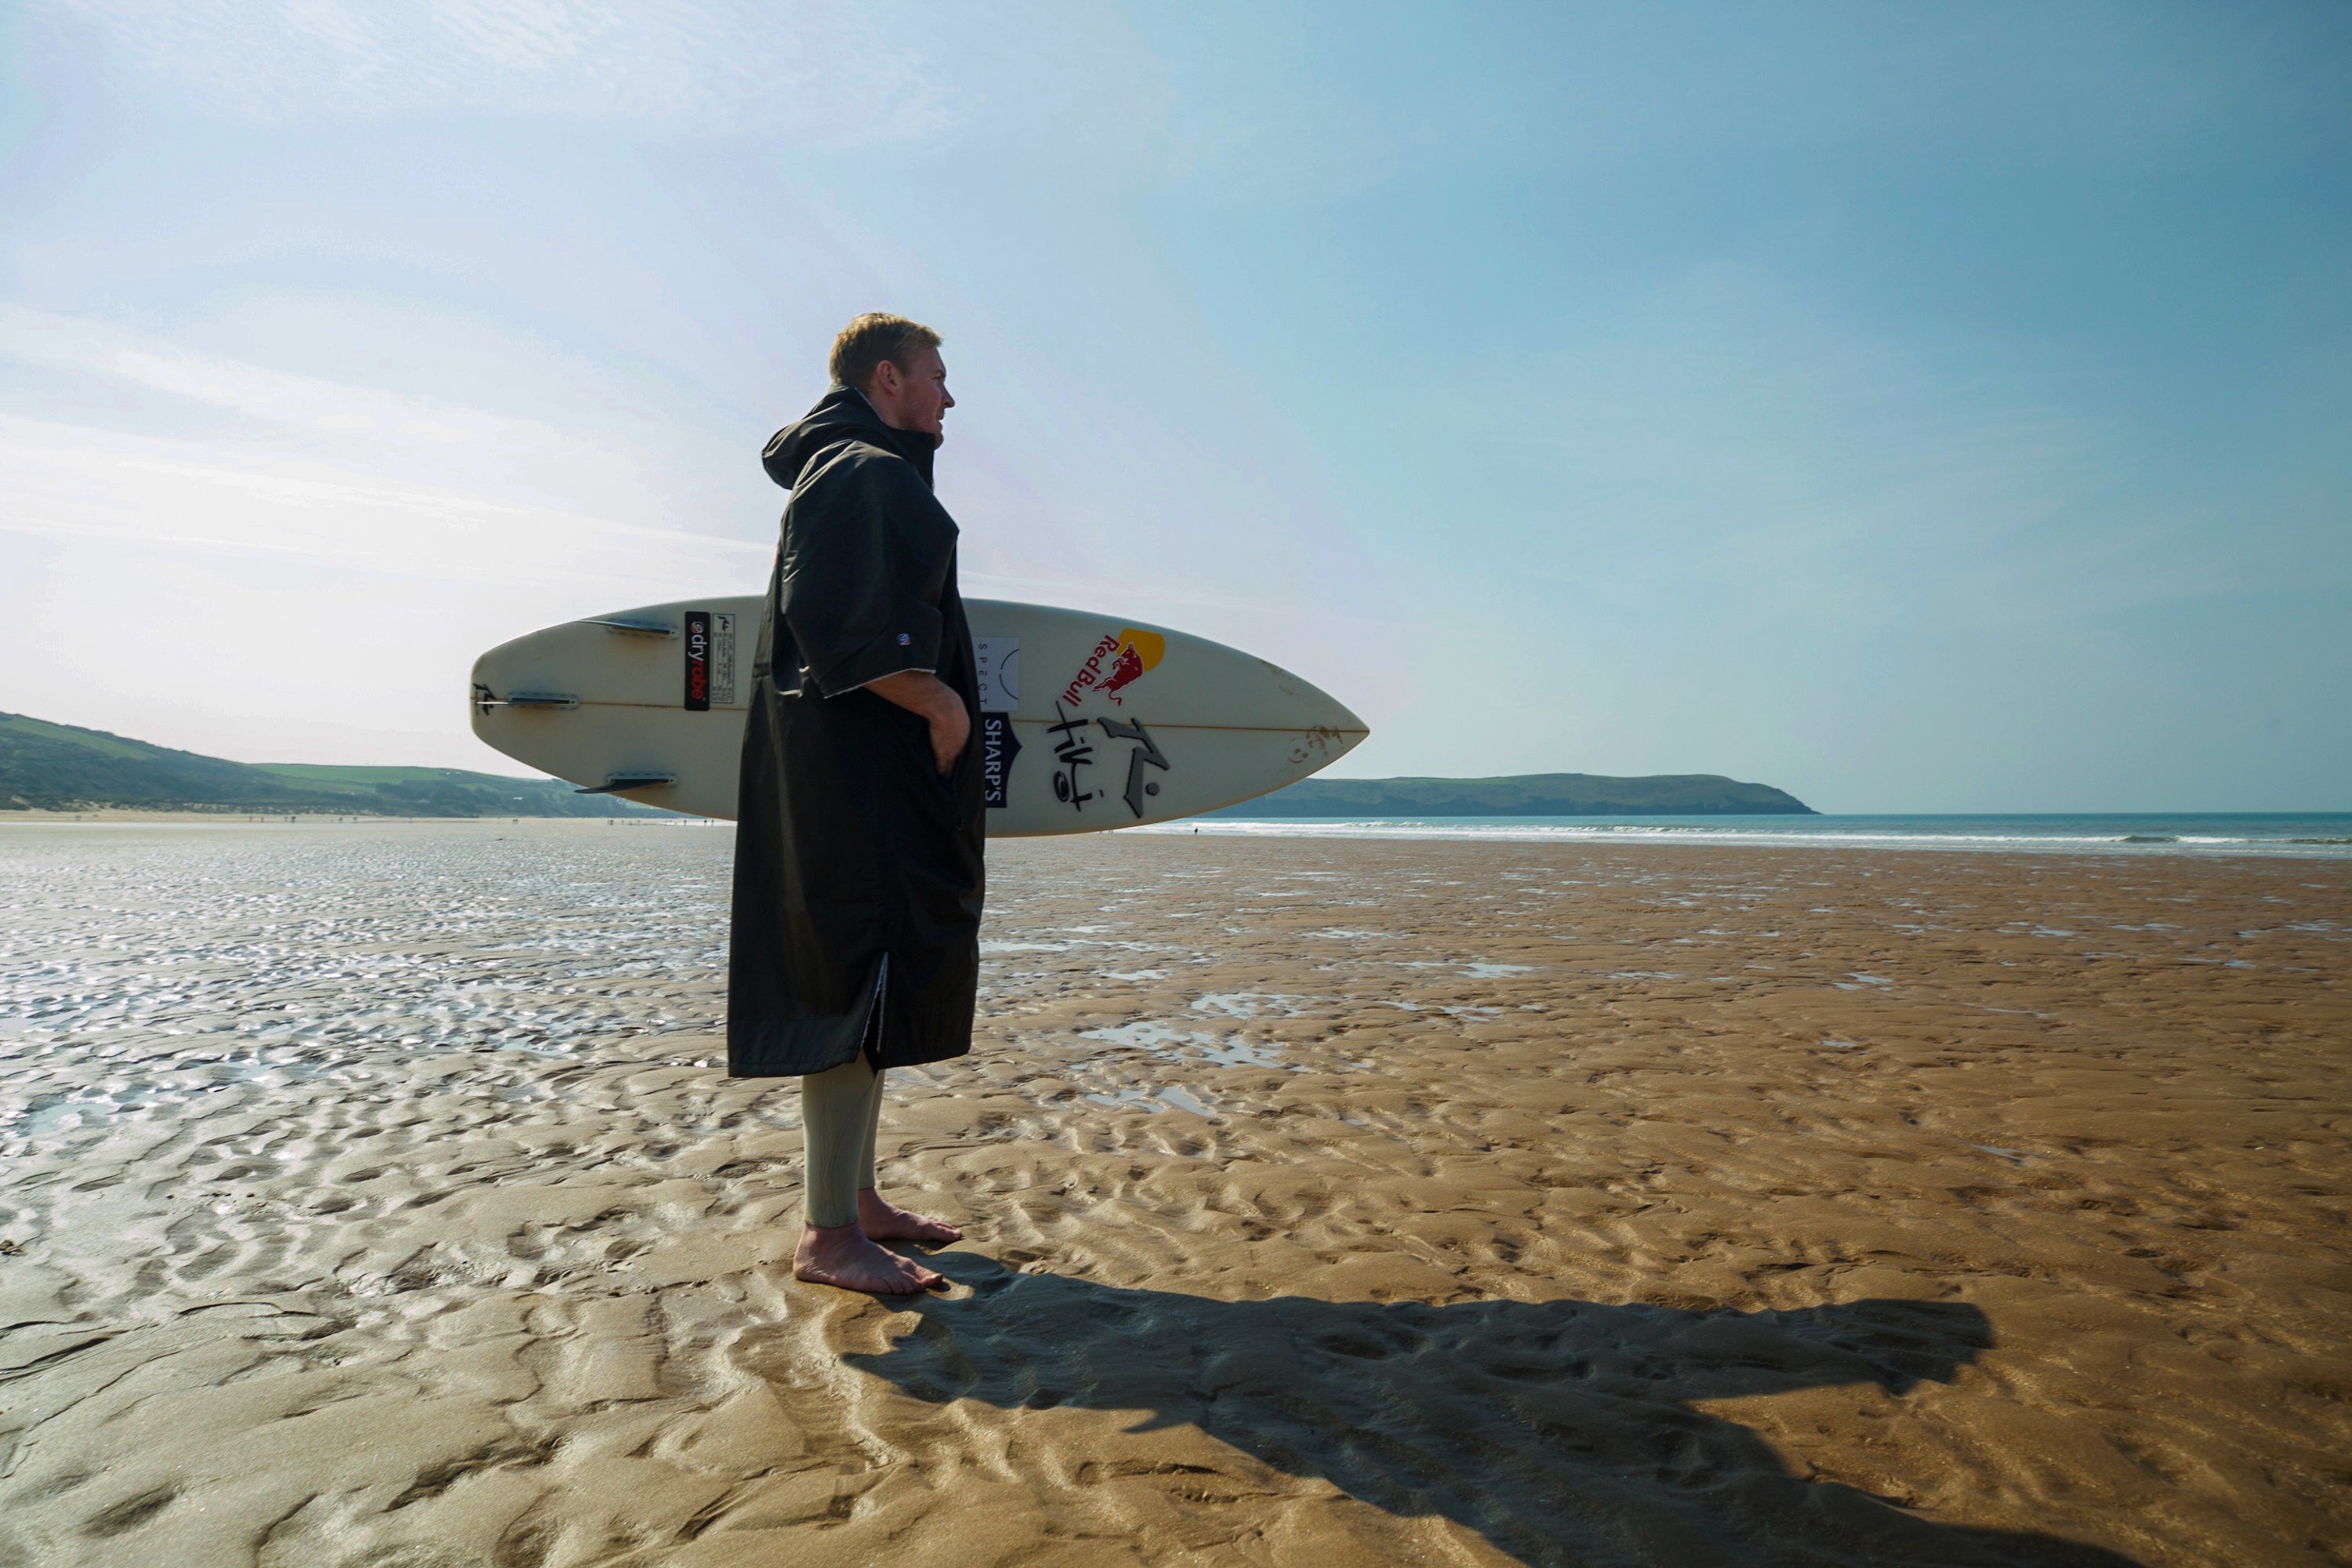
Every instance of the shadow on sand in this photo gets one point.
(1561, 1431)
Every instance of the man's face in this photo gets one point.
(914, 398)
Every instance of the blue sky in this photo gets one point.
(1919, 408)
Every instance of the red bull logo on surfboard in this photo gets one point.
(1116, 663)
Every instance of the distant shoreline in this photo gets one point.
(2322, 836)
(2317, 836)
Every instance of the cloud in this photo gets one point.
(827, 74)
(79, 345)
(103, 368)
(75, 483)
(263, 603)
(349, 478)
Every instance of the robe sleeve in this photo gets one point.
(853, 588)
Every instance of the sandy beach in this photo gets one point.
(372, 1196)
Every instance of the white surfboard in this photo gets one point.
(1089, 721)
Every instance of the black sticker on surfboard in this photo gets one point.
(998, 746)
(1146, 752)
(698, 662)
(723, 659)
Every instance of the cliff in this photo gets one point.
(62, 767)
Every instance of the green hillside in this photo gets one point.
(62, 767)
(1525, 795)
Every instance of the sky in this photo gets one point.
(1919, 408)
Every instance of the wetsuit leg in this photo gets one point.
(873, 1121)
(837, 1111)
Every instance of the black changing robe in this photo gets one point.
(857, 868)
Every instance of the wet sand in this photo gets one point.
(372, 1196)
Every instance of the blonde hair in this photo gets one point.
(862, 346)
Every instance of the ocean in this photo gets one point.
(2319, 835)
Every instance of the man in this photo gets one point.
(857, 850)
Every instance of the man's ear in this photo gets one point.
(888, 379)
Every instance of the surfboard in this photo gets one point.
(1088, 721)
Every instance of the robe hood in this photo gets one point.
(842, 415)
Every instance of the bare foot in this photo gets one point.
(889, 1221)
(842, 1255)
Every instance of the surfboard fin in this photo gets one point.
(620, 781)
(632, 625)
(485, 701)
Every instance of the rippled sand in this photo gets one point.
(372, 1198)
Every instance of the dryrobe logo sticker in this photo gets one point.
(1116, 663)
(698, 662)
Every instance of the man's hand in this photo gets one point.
(937, 703)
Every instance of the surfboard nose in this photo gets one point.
(1306, 706)
(1317, 728)
(1347, 735)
